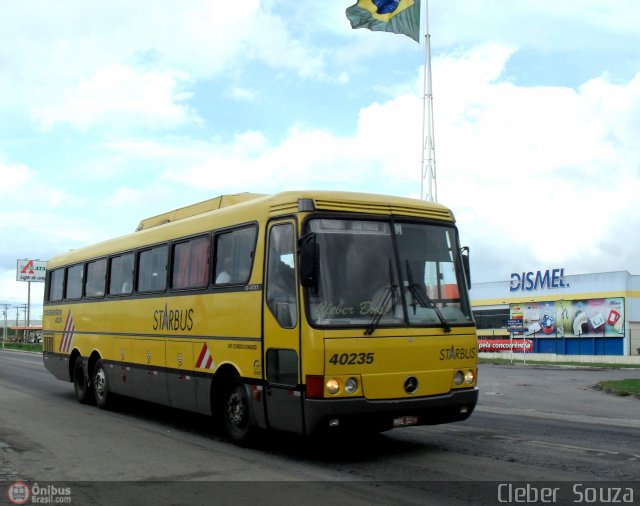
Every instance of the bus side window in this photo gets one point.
(56, 285)
(282, 366)
(74, 282)
(281, 281)
(96, 278)
(152, 269)
(121, 277)
(191, 263)
(234, 256)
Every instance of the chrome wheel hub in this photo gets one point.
(100, 381)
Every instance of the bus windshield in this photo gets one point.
(374, 273)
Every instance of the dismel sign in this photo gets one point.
(31, 270)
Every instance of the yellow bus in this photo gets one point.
(300, 311)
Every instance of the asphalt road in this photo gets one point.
(533, 425)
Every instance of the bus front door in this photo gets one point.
(283, 399)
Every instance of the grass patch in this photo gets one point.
(520, 361)
(621, 387)
(37, 347)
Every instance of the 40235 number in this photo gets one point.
(352, 358)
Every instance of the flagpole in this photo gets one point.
(428, 162)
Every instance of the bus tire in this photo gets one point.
(81, 383)
(236, 413)
(101, 386)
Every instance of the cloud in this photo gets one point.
(122, 95)
(376, 158)
(14, 177)
(533, 23)
(136, 61)
(304, 157)
(37, 217)
(535, 171)
(531, 172)
(240, 93)
(528, 170)
(20, 184)
(272, 44)
(125, 197)
(16, 294)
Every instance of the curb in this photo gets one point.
(24, 352)
(551, 365)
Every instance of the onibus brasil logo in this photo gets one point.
(20, 492)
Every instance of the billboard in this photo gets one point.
(572, 318)
(31, 270)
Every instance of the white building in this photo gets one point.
(554, 312)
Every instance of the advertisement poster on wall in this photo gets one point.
(572, 318)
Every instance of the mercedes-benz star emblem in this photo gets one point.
(411, 384)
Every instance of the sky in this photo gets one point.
(114, 112)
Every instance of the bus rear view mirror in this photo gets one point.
(464, 252)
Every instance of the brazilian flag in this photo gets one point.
(397, 16)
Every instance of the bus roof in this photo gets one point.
(230, 210)
(195, 209)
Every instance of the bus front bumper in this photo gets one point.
(379, 415)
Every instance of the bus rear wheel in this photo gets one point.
(237, 413)
(81, 383)
(101, 386)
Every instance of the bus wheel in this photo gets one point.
(81, 383)
(236, 413)
(100, 386)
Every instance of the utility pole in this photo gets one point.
(28, 315)
(4, 314)
(25, 309)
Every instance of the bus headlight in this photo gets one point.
(469, 377)
(458, 378)
(333, 386)
(351, 385)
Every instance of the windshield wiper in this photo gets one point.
(388, 296)
(424, 300)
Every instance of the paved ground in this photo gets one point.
(532, 424)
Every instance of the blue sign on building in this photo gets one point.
(529, 281)
(514, 324)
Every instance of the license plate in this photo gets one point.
(404, 421)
